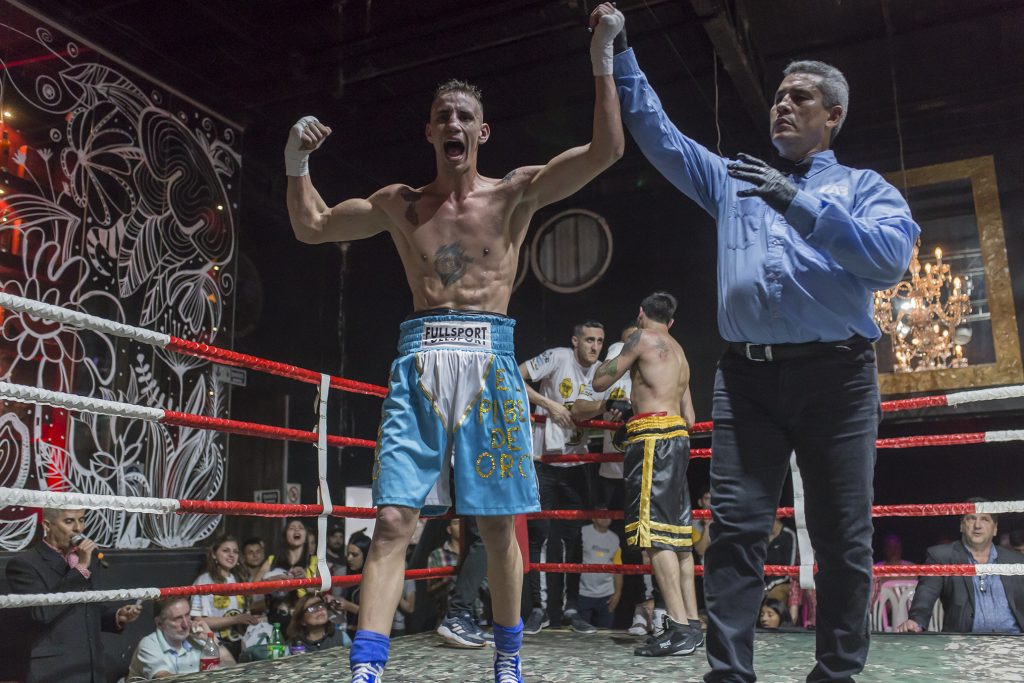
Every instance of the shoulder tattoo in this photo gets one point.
(450, 263)
(508, 177)
(661, 346)
(411, 197)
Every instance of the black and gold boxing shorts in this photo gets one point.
(658, 511)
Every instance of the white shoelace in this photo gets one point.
(367, 673)
(506, 668)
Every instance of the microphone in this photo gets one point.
(78, 539)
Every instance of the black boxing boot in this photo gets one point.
(678, 639)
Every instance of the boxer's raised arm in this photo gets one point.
(312, 220)
(571, 170)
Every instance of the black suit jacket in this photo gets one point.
(63, 641)
(957, 592)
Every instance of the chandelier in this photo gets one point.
(921, 315)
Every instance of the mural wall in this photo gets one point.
(118, 198)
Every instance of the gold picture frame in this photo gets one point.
(1007, 369)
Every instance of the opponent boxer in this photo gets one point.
(658, 516)
(455, 391)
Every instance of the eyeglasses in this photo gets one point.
(318, 607)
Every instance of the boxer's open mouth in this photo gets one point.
(454, 149)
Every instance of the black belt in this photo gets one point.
(776, 352)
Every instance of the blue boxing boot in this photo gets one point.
(368, 656)
(507, 643)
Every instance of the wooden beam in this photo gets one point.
(736, 60)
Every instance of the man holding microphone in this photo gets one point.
(64, 640)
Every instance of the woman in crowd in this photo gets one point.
(311, 625)
(348, 597)
(291, 560)
(774, 614)
(227, 615)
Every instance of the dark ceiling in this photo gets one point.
(368, 67)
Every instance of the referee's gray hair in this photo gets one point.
(833, 85)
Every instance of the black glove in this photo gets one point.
(624, 407)
(620, 438)
(769, 184)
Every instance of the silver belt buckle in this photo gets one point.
(767, 352)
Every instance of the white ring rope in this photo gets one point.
(126, 594)
(803, 538)
(59, 399)
(79, 597)
(1004, 435)
(324, 489)
(91, 501)
(83, 320)
(993, 394)
(999, 569)
(61, 500)
(999, 507)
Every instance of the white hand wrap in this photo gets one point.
(601, 44)
(296, 159)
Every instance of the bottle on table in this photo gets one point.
(298, 647)
(209, 658)
(276, 649)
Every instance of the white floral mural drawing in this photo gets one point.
(124, 208)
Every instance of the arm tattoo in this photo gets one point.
(632, 342)
(609, 368)
(450, 263)
(508, 177)
(411, 196)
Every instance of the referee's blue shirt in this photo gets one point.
(806, 276)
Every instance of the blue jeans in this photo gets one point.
(824, 407)
(595, 611)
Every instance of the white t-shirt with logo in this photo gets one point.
(620, 390)
(219, 606)
(561, 379)
(599, 548)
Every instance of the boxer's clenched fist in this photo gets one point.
(304, 137)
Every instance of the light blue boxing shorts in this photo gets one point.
(456, 399)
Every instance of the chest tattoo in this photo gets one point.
(450, 263)
(411, 197)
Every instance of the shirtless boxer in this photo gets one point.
(658, 516)
(455, 392)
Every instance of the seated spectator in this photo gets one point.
(702, 528)
(355, 557)
(175, 646)
(336, 547)
(292, 559)
(254, 553)
(406, 603)
(774, 614)
(311, 626)
(600, 593)
(445, 556)
(251, 570)
(226, 615)
(972, 604)
(803, 604)
(781, 550)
